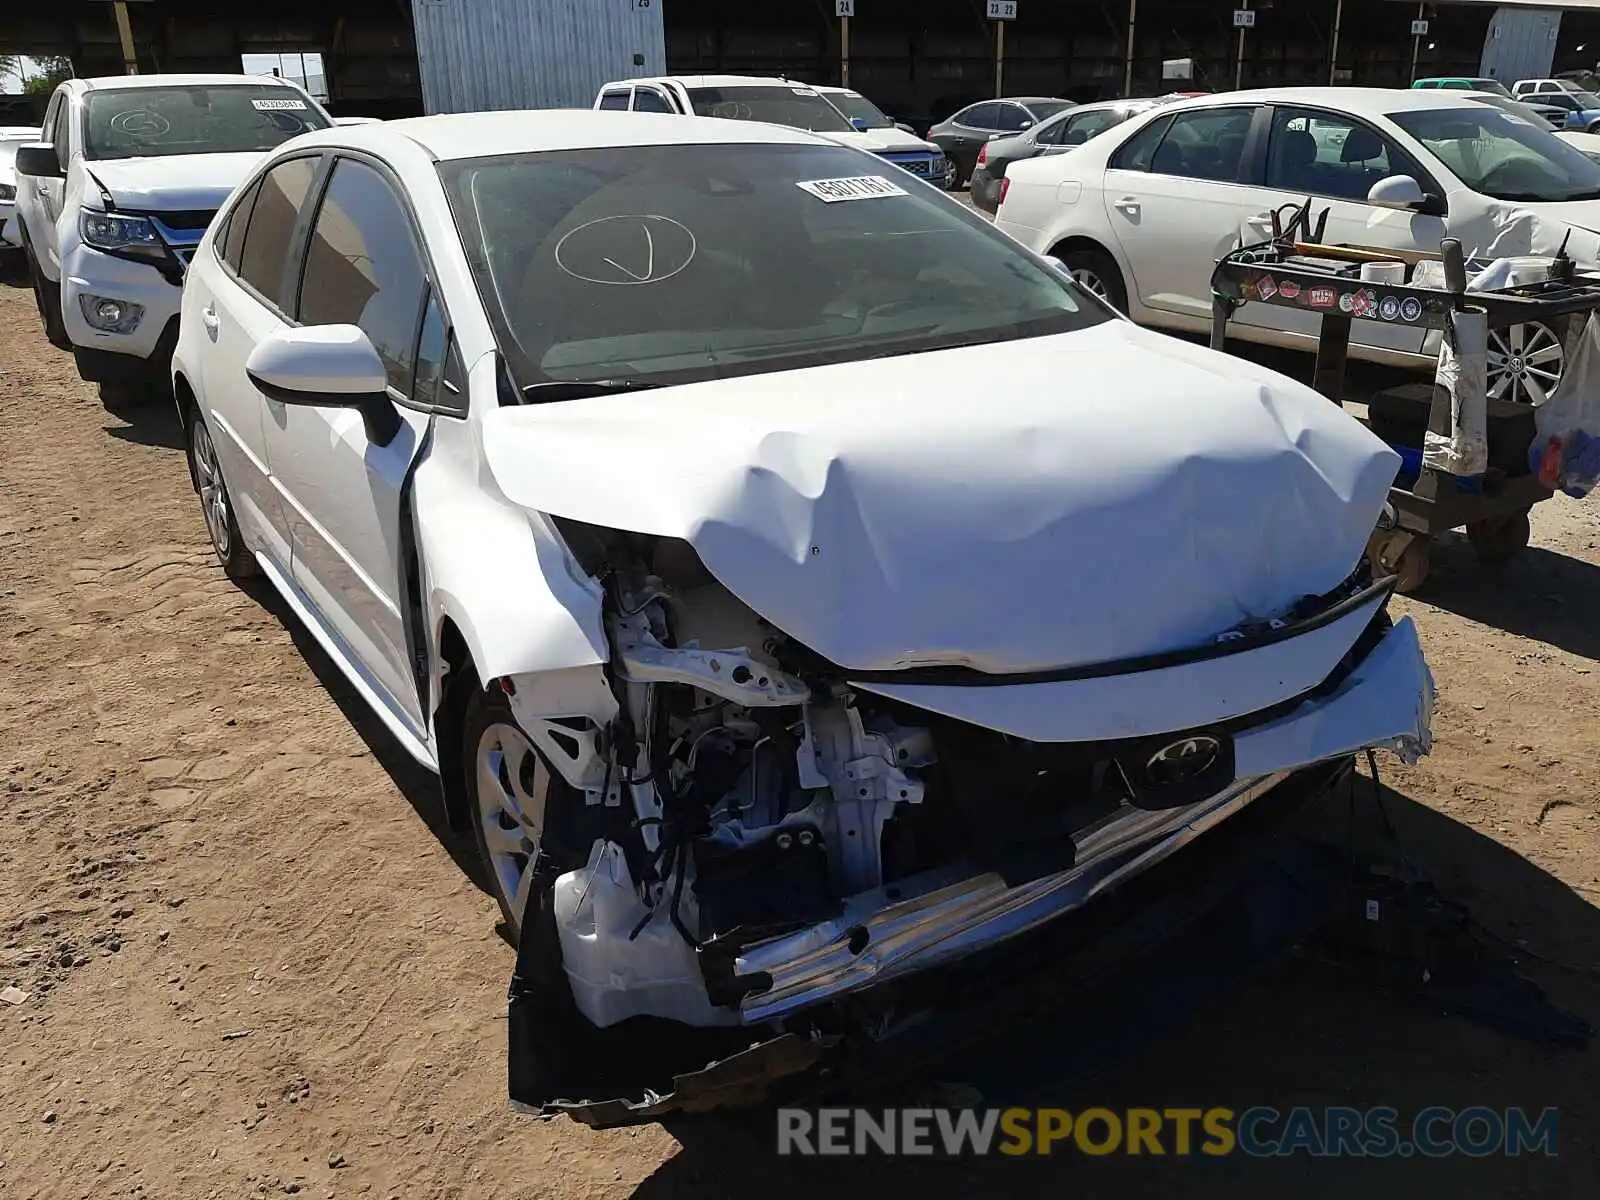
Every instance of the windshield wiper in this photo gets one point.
(581, 389)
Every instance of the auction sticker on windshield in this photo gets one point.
(858, 187)
(279, 105)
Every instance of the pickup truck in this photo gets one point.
(116, 197)
(776, 102)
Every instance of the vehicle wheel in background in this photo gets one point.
(1096, 272)
(216, 505)
(1526, 361)
(47, 296)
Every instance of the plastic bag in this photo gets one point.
(1464, 373)
(1566, 453)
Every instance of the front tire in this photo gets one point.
(511, 793)
(216, 503)
(47, 298)
(1097, 273)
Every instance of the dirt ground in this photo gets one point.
(257, 965)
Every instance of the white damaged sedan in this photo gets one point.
(647, 476)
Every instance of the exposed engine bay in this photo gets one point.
(735, 815)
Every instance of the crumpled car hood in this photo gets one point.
(178, 182)
(1019, 506)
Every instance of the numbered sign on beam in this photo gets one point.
(844, 8)
(1419, 29)
(1243, 18)
(1002, 10)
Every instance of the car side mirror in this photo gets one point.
(1027, 125)
(859, 124)
(1397, 191)
(39, 161)
(326, 366)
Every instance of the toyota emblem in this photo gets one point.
(1182, 760)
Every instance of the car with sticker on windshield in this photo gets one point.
(647, 480)
(119, 192)
(780, 102)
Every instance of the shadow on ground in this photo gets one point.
(418, 785)
(1313, 1028)
(151, 422)
(1540, 594)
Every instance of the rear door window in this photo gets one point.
(614, 101)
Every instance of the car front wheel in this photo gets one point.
(216, 505)
(522, 812)
(47, 297)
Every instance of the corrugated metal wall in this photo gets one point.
(1520, 44)
(532, 53)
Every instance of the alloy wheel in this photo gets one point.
(213, 492)
(1091, 283)
(1525, 363)
(512, 783)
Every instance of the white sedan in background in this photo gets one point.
(11, 137)
(1142, 213)
(627, 465)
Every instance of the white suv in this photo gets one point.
(778, 102)
(113, 202)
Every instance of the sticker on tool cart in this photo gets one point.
(290, 105)
(1347, 304)
(1266, 289)
(858, 187)
(1289, 290)
(1411, 308)
(1322, 297)
(1389, 308)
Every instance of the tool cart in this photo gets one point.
(1343, 284)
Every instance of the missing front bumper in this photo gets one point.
(889, 947)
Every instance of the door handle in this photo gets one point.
(1129, 205)
(212, 322)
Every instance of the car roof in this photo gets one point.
(1366, 101)
(129, 82)
(456, 136)
(700, 81)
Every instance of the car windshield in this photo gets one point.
(1491, 85)
(650, 265)
(797, 106)
(857, 107)
(149, 122)
(1502, 156)
(1588, 101)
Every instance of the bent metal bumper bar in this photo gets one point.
(878, 937)
(918, 923)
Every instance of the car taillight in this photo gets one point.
(983, 156)
(1005, 186)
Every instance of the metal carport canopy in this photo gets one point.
(1547, 5)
